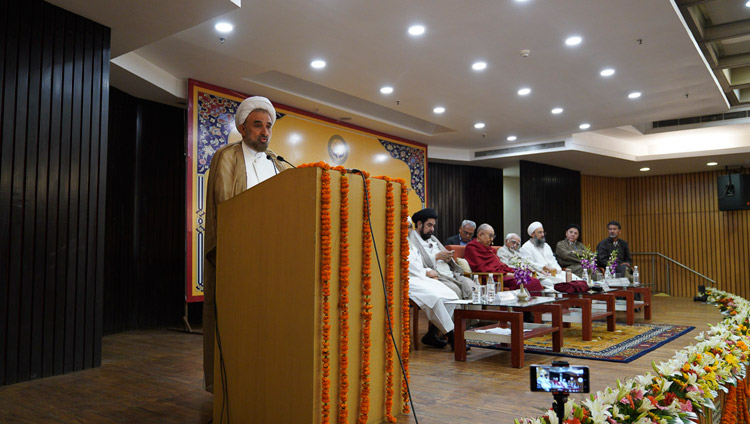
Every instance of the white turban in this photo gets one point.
(533, 227)
(250, 104)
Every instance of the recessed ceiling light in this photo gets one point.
(557, 110)
(747, 4)
(524, 91)
(645, 168)
(439, 109)
(479, 66)
(318, 64)
(634, 95)
(224, 27)
(416, 30)
(479, 125)
(584, 126)
(573, 41)
(511, 138)
(386, 90)
(716, 163)
(607, 72)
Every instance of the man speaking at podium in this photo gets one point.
(235, 168)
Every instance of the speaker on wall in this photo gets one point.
(734, 192)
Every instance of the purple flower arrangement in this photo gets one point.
(612, 263)
(588, 259)
(523, 274)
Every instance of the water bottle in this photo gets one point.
(490, 289)
(636, 276)
(476, 298)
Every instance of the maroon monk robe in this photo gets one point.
(482, 258)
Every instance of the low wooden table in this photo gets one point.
(630, 304)
(512, 318)
(587, 314)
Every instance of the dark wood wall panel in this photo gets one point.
(552, 196)
(145, 247)
(459, 192)
(677, 216)
(55, 68)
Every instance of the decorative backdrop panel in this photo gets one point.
(298, 136)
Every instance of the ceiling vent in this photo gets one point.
(532, 148)
(695, 120)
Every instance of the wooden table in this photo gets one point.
(587, 315)
(631, 304)
(511, 318)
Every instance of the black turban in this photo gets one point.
(573, 226)
(424, 215)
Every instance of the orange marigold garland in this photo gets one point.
(405, 325)
(389, 281)
(325, 278)
(729, 415)
(344, 301)
(364, 405)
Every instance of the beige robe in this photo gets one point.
(227, 178)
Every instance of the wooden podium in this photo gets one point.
(269, 302)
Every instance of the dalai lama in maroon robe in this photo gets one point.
(482, 258)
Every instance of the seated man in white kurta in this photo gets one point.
(430, 295)
(539, 255)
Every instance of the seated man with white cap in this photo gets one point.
(234, 168)
(539, 255)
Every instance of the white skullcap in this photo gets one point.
(250, 104)
(533, 227)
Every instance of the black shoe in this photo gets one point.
(452, 343)
(432, 338)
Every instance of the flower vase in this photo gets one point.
(608, 275)
(523, 294)
(586, 277)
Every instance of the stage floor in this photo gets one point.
(155, 376)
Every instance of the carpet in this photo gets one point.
(624, 345)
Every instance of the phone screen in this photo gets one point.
(551, 378)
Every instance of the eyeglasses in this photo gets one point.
(491, 236)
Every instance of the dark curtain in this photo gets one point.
(459, 192)
(552, 196)
(54, 109)
(145, 249)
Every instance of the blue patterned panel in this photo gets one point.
(414, 159)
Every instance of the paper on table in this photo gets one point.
(506, 296)
(498, 330)
(619, 282)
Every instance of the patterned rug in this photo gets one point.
(626, 344)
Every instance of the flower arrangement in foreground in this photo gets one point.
(612, 263)
(522, 272)
(682, 387)
(587, 258)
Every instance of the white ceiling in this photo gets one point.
(158, 45)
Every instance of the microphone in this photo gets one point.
(281, 158)
(275, 170)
